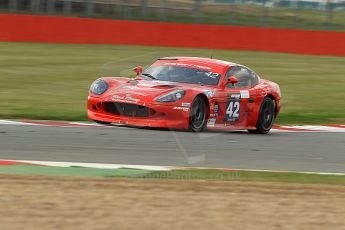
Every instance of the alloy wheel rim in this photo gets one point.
(198, 116)
(267, 115)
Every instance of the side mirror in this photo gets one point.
(232, 80)
(138, 70)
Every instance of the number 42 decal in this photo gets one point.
(232, 110)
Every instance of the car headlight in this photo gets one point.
(172, 96)
(99, 87)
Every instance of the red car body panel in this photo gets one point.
(144, 92)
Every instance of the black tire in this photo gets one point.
(102, 122)
(266, 117)
(197, 115)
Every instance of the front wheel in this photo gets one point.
(197, 117)
(266, 117)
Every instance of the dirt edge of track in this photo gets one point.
(48, 202)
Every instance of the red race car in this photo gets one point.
(187, 93)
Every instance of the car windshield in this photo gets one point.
(182, 75)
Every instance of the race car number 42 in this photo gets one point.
(233, 110)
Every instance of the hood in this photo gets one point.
(140, 91)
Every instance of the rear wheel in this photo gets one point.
(266, 117)
(102, 122)
(197, 117)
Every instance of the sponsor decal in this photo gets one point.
(129, 87)
(209, 93)
(212, 75)
(117, 97)
(127, 98)
(187, 65)
(216, 110)
(181, 108)
(211, 122)
(235, 95)
(244, 94)
(185, 104)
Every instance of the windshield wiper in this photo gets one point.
(148, 75)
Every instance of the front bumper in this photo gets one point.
(165, 116)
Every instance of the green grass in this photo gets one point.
(51, 81)
(70, 171)
(184, 174)
(250, 176)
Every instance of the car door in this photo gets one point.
(236, 101)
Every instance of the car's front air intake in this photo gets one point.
(128, 110)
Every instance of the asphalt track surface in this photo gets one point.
(291, 151)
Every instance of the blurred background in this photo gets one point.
(55, 75)
(303, 14)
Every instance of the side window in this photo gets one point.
(255, 78)
(232, 71)
(245, 77)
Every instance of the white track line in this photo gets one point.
(86, 124)
(93, 165)
(68, 124)
(314, 128)
(8, 122)
(260, 170)
(154, 168)
(319, 173)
